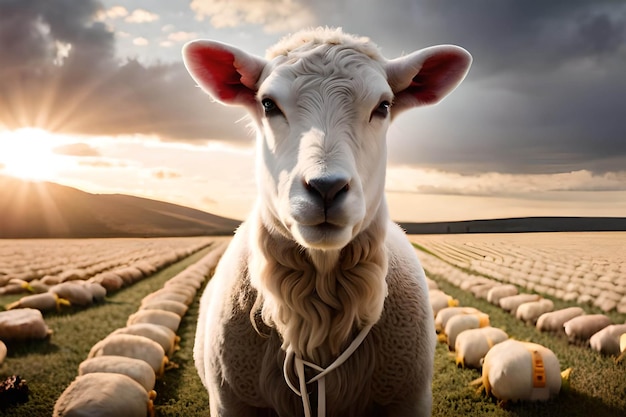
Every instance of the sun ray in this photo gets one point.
(30, 200)
(27, 153)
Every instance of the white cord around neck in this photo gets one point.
(299, 365)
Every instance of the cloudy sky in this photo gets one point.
(93, 94)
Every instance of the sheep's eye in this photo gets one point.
(270, 107)
(382, 110)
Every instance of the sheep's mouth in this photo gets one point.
(323, 235)
(325, 228)
(328, 227)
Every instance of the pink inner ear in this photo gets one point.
(437, 75)
(215, 70)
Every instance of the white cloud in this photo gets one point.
(164, 173)
(213, 177)
(272, 15)
(141, 16)
(182, 36)
(140, 41)
(406, 179)
(115, 12)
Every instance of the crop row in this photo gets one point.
(507, 364)
(529, 307)
(37, 265)
(587, 268)
(118, 362)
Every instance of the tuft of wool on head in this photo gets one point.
(310, 39)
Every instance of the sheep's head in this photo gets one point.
(322, 102)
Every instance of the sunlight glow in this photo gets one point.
(27, 153)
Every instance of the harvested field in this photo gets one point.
(592, 264)
(598, 385)
(588, 268)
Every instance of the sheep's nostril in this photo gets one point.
(328, 188)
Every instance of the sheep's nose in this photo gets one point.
(329, 188)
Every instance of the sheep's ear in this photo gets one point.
(227, 73)
(426, 76)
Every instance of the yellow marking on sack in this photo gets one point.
(483, 319)
(565, 375)
(489, 342)
(539, 371)
(460, 361)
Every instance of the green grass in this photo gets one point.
(50, 365)
(598, 385)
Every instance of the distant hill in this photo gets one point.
(521, 225)
(47, 210)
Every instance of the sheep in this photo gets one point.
(37, 287)
(160, 317)
(23, 324)
(511, 303)
(475, 281)
(97, 290)
(166, 305)
(104, 394)
(50, 280)
(74, 292)
(318, 265)
(530, 311)
(440, 300)
(553, 321)
(132, 346)
(3, 351)
(129, 274)
(109, 280)
(462, 322)
(607, 340)
(472, 345)
(145, 267)
(446, 313)
(186, 278)
(622, 348)
(178, 288)
(164, 294)
(13, 288)
(514, 370)
(500, 291)
(581, 328)
(160, 334)
(481, 290)
(42, 302)
(137, 369)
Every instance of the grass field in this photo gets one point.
(50, 365)
(598, 385)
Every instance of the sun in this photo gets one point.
(27, 153)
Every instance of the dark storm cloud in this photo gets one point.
(518, 37)
(58, 71)
(503, 35)
(546, 91)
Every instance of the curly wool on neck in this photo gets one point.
(316, 312)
